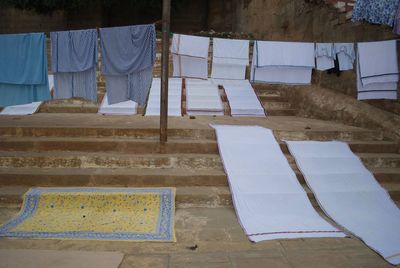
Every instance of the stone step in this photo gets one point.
(198, 196)
(136, 177)
(277, 105)
(138, 146)
(199, 133)
(280, 112)
(265, 98)
(102, 177)
(62, 159)
(108, 160)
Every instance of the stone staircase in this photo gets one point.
(117, 155)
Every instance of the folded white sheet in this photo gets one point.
(202, 98)
(242, 99)
(269, 201)
(350, 195)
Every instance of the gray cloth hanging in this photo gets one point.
(74, 60)
(128, 56)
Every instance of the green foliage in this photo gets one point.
(48, 6)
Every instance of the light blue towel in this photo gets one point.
(128, 56)
(23, 69)
(74, 61)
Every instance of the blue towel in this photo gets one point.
(74, 61)
(128, 56)
(23, 69)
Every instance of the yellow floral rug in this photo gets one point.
(119, 214)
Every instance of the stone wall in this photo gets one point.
(304, 20)
(17, 21)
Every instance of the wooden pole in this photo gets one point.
(166, 16)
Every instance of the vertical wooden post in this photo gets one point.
(166, 14)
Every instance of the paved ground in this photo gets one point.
(220, 243)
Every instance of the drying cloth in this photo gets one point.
(242, 99)
(386, 90)
(377, 70)
(350, 195)
(282, 62)
(73, 63)
(22, 258)
(346, 55)
(190, 56)
(325, 56)
(189, 45)
(174, 97)
(269, 201)
(23, 69)
(230, 58)
(121, 108)
(378, 62)
(294, 54)
(128, 56)
(25, 109)
(373, 11)
(202, 98)
(119, 214)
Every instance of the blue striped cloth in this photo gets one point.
(128, 56)
(74, 61)
(23, 69)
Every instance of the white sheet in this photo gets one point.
(269, 201)
(282, 62)
(190, 56)
(189, 45)
(378, 62)
(202, 98)
(22, 109)
(242, 99)
(346, 55)
(325, 56)
(295, 54)
(174, 97)
(350, 195)
(122, 108)
(29, 108)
